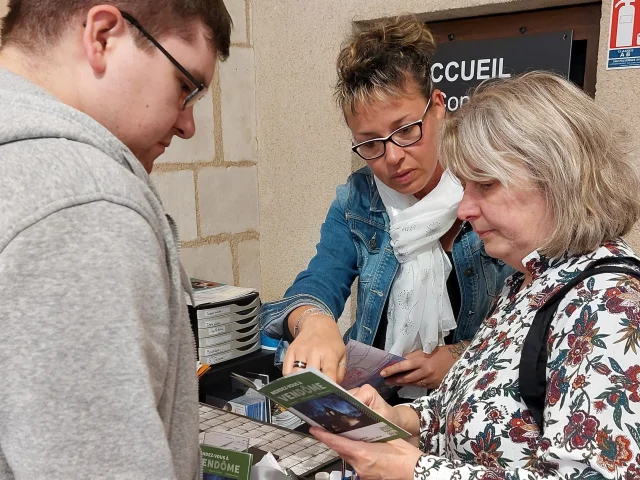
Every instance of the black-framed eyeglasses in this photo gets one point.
(403, 137)
(199, 89)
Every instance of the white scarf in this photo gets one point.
(419, 312)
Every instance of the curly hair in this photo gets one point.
(379, 58)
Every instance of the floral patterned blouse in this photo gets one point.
(475, 426)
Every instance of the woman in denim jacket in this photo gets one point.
(392, 226)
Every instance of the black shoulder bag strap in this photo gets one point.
(533, 363)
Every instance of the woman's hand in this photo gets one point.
(372, 399)
(319, 344)
(403, 416)
(394, 460)
(425, 370)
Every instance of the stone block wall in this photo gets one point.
(209, 184)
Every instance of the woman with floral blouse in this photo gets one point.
(550, 187)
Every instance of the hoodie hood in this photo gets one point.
(28, 112)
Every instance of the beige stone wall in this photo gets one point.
(209, 184)
(303, 143)
(619, 92)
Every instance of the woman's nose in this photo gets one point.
(393, 153)
(468, 208)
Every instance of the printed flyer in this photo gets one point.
(222, 464)
(321, 402)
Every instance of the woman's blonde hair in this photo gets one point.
(379, 58)
(570, 147)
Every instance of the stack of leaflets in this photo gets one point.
(224, 319)
(225, 457)
(319, 401)
(244, 400)
(283, 418)
(249, 405)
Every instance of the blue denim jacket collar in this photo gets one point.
(377, 205)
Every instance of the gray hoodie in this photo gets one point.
(97, 361)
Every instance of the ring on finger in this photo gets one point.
(343, 364)
(299, 364)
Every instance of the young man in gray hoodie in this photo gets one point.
(97, 360)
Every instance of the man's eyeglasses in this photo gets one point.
(199, 90)
(403, 137)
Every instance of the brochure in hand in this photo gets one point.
(319, 401)
(364, 364)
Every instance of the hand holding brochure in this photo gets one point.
(364, 364)
(319, 401)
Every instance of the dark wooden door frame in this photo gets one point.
(584, 20)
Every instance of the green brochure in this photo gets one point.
(223, 464)
(319, 401)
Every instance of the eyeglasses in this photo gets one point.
(199, 90)
(403, 137)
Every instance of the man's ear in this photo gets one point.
(103, 25)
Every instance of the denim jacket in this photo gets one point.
(355, 242)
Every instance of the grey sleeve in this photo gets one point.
(83, 347)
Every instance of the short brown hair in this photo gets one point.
(542, 131)
(379, 58)
(37, 24)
